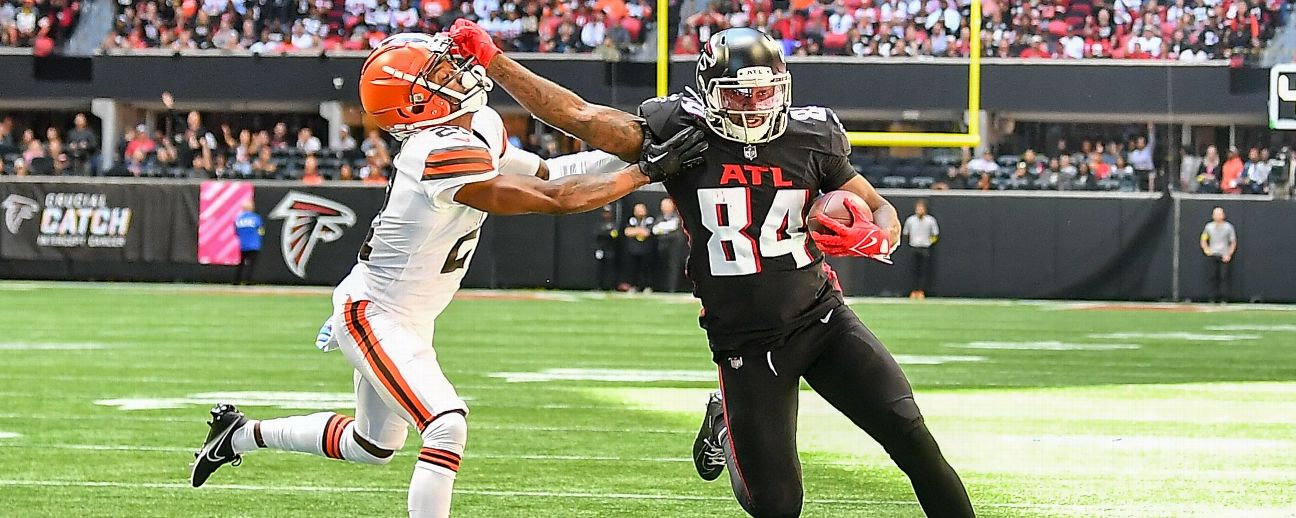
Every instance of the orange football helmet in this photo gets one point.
(397, 87)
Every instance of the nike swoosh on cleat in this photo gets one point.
(211, 453)
(654, 159)
(827, 317)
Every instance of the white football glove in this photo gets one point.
(325, 340)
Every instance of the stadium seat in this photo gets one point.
(934, 171)
(1108, 184)
(907, 170)
(894, 182)
(41, 166)
(921, 182)
(946, 159)
(876, 173)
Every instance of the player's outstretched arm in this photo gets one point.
(517, 194)
(513, 194)
(602, 127)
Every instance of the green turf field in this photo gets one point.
(585, 405)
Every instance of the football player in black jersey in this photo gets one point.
(771, 311)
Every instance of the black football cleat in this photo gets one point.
(218, 449)
(708, 451)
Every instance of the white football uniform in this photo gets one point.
(411, 264)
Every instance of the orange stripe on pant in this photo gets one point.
(326, 442)
(357, 324)
(446, 459)
(333, 432)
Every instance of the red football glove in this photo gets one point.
(472, 40)
(861, 239)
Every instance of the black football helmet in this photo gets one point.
(745, 86)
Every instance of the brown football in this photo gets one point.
(833, 205)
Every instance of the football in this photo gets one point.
(833, 205)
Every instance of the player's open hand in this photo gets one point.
(862, 238)
(661, 162)
(472, 40)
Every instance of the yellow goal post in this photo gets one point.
(875, 138)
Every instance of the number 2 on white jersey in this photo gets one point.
(726, 212)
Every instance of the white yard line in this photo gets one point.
(498, 427)
(1207, 474)
(1141, 509)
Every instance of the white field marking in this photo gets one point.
(475, 426)
(9, 435)
(923, 359)
(615, 375)
(475, 454)
(51, 346)
(1043, 346)
(1173, 335)
(855, 462)
(1151, 442)
(286, 400)
(647, 376)
(402, 490)
(1139, 509)
(202, 383)
(18, 286)
(1285, 328)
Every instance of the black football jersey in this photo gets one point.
(751, 259)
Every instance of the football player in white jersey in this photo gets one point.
(447, 180)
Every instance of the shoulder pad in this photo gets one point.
(817, 129)
(489, 128)
(443, 151)
(666, 116)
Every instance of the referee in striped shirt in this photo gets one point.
(922, 231)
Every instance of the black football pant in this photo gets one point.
(921, 268)
(849, 367)
(1219, 279)
(247, 259)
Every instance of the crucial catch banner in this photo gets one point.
(86, 221)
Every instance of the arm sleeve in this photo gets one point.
(520, 162)
(834, 172)
(935, 228)
(585, 162)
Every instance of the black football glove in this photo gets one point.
(663, 161)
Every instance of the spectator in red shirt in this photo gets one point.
(1098, 167)
(1232, 183)
(141, 142)
(310, 171)
(1037, 49)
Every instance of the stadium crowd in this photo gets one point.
(37, 23)
(1071, 29)
(185, 148)
(604, 26)
(1128, 164)
(1190, 30)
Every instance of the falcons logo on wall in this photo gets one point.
(309, 220)
(18, 209)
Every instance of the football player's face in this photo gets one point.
(445, 74)
(750, 99)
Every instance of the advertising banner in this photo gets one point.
(221, 203)
(98, 222)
